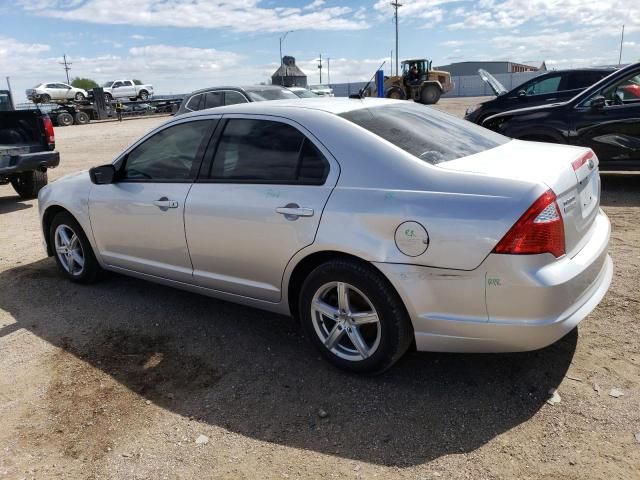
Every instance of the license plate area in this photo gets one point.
(588, 189)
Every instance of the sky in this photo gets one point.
(182, 45)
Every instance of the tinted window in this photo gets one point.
(426, 133)
(583, 79)
(194, 102)
(548, 85)
(212, 100)
(167, 155)
(128, 83)
(232, 98)
(117, 84)
(265, 151)
(258, 95)
(50, 85)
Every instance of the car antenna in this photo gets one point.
(360, 94)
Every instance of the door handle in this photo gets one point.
(292, 211)
(164, 203)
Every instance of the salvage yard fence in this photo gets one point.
(465, 86)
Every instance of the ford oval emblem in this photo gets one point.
(591, 164)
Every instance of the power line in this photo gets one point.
(395, 4)
(66, 66)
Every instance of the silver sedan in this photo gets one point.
(378, 224)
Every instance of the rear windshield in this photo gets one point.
(425, 132)
(271, 94)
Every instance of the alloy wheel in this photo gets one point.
(345, 321)
(69, 250)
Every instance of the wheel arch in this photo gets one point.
(308, 263)
(47, 217)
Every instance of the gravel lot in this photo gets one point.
(117, 380)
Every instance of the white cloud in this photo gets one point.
(11, 47)
(315, 4)
(137, 36)
(239, 15)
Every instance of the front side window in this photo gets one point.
(211, 100)
(168, 155)
(262, 94)
(426, 133)
(128, 83)
(625, 91)
(233, 98)
(264, 151)
(117, 84)
(548, 85)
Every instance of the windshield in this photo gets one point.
(305, 93)
(425, 133)
(260, 95)
(107, 84)
(5, 102)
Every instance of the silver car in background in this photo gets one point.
(47, 92)
(377, 223)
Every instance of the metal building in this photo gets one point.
(289, 75)
(471, 68)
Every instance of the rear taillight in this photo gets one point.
(539, 230)
(48, 130)
(580, 161)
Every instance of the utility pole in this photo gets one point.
(395, 4)
(320, 68)
(621, 40)
(329, 71)
(391, 63)
(281, 61)
(66, 67)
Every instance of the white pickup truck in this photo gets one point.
(127, 89)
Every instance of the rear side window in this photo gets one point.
(194, 102)
(260, 95)
(584, 79)
(264, 151)
(425, 132)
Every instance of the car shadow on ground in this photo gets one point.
(12, 204)
(620, 189)
(252, 373)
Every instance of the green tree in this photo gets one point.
(84, 83)
(137, 82)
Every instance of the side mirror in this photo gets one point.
(597, 103)
(103, 175)
(522, 93)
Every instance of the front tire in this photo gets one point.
(354, 317)
(430, 94)
(395, 93)
(72, 250)
(144, 95)
(28, 184)
(79, 97)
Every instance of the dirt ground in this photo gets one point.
(117, 380)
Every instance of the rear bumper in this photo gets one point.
(10, 164)
(510, 303)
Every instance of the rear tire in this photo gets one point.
(430, 95)
(72, 250)
(64, 119)
(45, 98)
(366, 333)
(82, 118)
(28, 184)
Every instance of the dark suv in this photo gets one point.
(555, 86)
(218, 96)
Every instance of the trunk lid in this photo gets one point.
(571, 172)
(490, 80)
